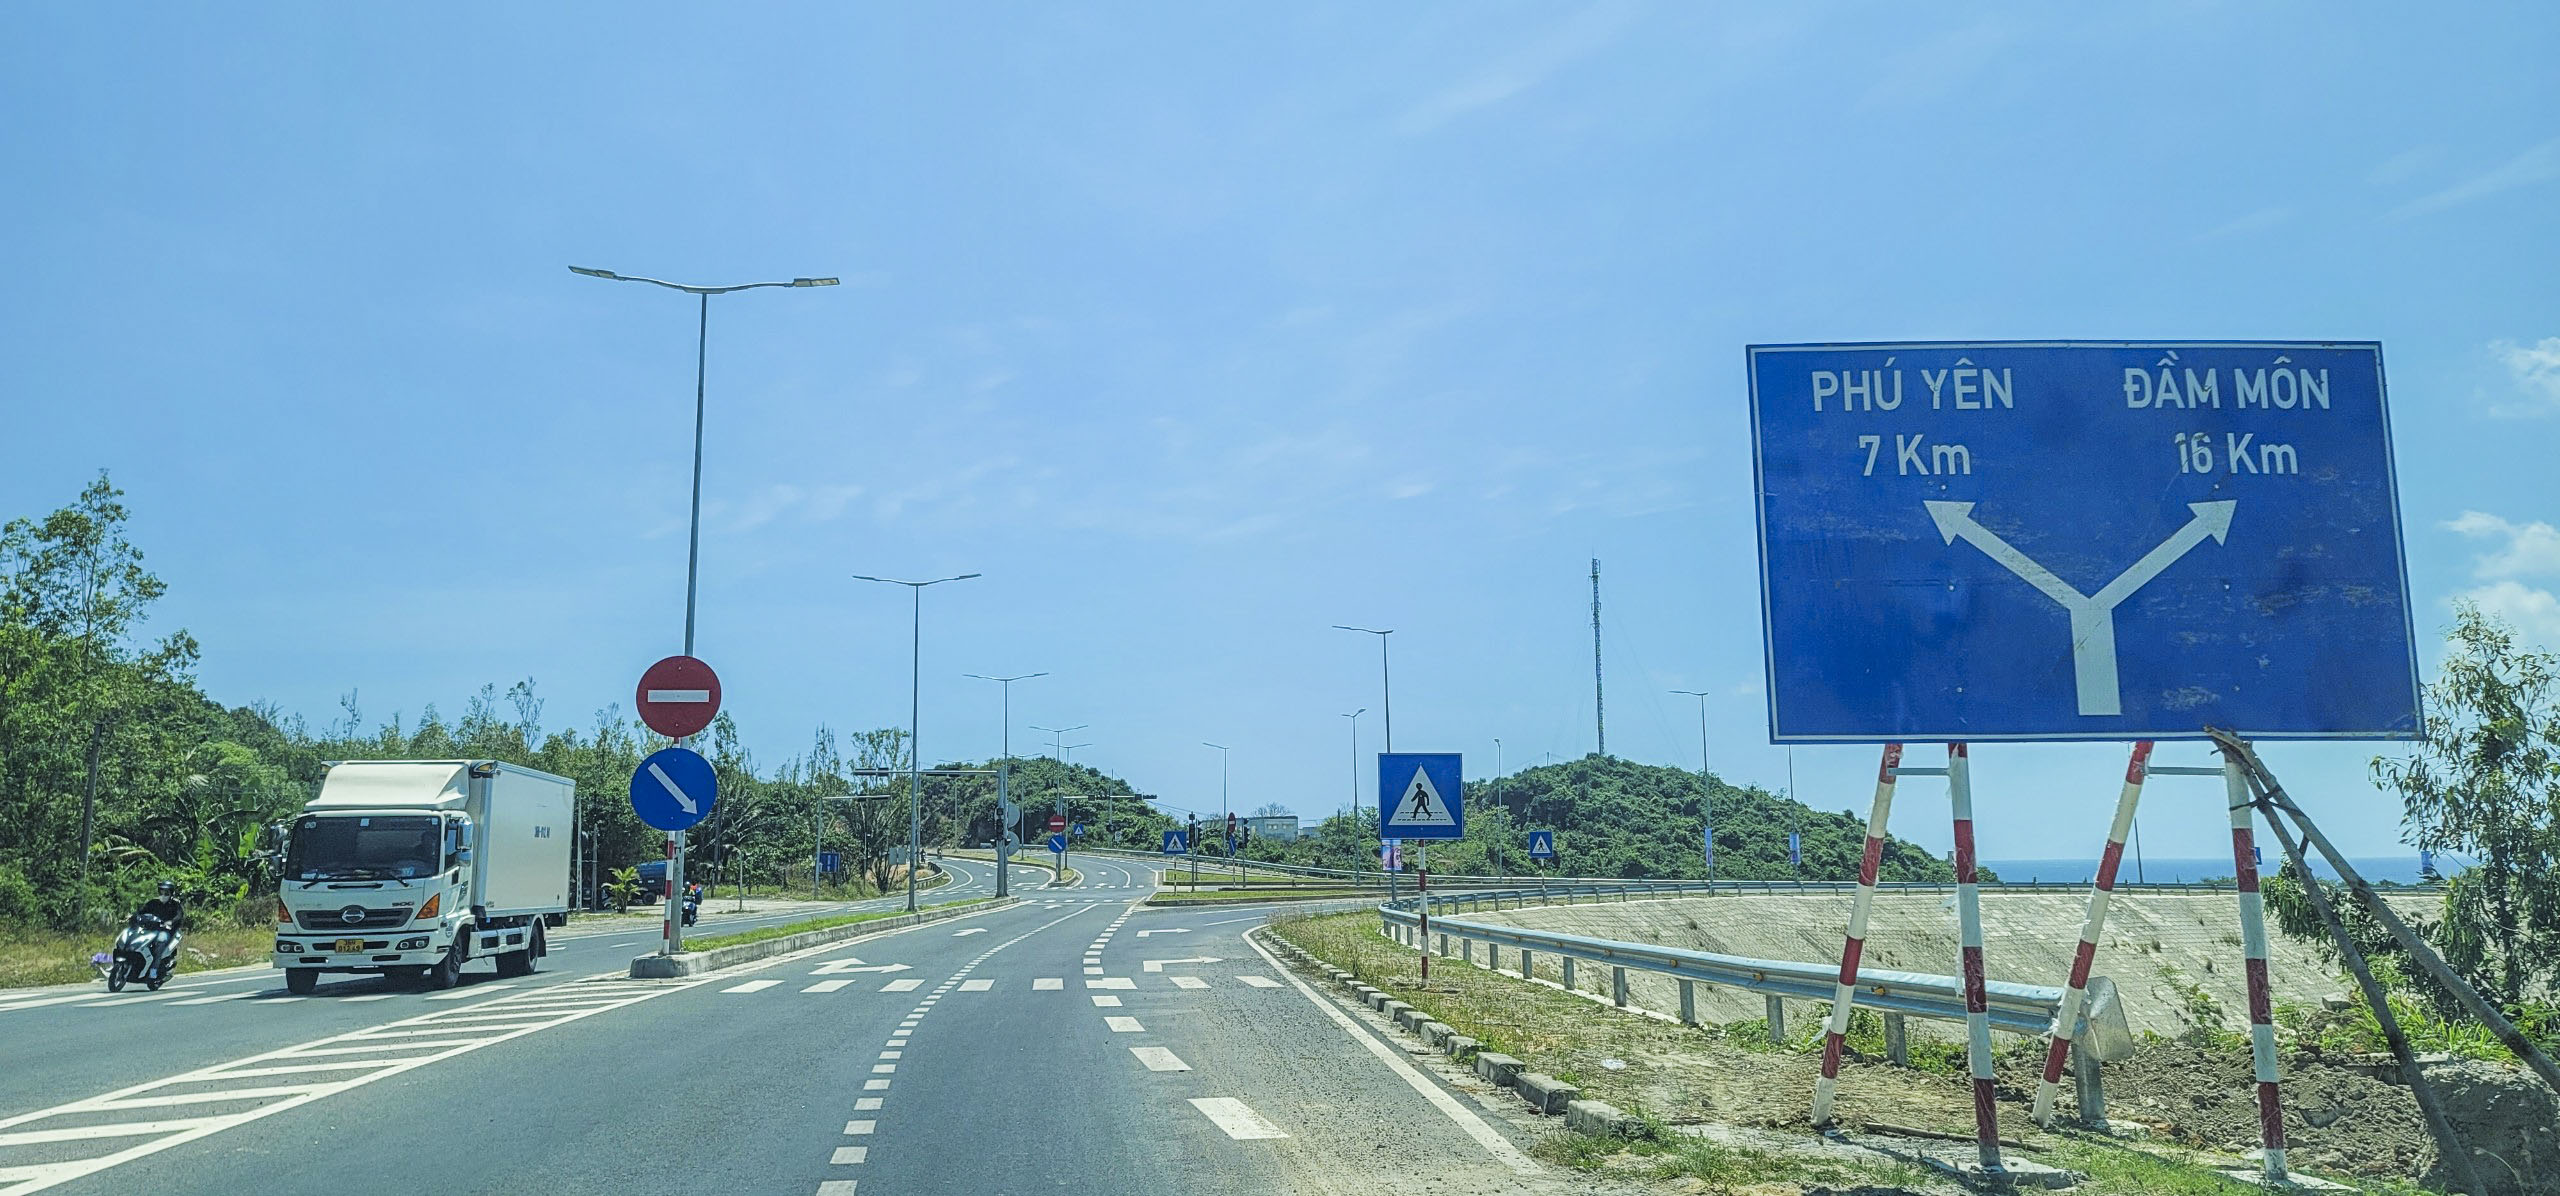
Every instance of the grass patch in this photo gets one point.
(827, 923)
(1722, 1167)
(30, 957)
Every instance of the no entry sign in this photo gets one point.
(1057, 824)
(678, 696)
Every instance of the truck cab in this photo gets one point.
(410, 868)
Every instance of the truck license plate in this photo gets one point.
(347, 945)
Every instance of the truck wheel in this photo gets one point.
(300, 982)
(446, 972)
(516, 963)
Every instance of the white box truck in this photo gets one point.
(411, 868)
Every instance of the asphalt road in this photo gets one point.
(1075, 1041)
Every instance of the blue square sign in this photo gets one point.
(2080, 540)
(1174, 843)
(1419, 796)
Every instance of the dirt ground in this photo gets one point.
(2343, 1118)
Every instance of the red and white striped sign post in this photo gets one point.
(1836, 1033)
(2066, 1018)
(1977, 996)
(2253, 941)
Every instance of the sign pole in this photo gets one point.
(2067, 1016)
(1977, 998)
(2253, 941)
(1422, 902)
(1836, 1034)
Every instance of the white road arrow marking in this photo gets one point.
(2093, 623)
(673, 790)
(970, 931)
(1157, 965)
(843, 966)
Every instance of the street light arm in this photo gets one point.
(691, 289)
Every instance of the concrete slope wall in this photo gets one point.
(2027, 937)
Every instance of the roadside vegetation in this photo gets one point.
(32, 956)
(118, 771)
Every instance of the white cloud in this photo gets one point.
(2401, 166)
(2531, 548)
(1507, 76)
(2536, 368)
(2537, 165)
(2524, 550)
(2255, 222)
(2535, 614)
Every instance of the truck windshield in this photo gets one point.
(362, 847)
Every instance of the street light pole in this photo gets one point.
(915, 709)
(1354, 716)
(674, 935)
(1224, 809)
(1005, 821)
(1386, 691)
(1706, 788)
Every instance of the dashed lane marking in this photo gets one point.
(826, 986)
(902, 986)
(752, 986)
(976, 986)
(1047, 984)
(857, 1128)
(1236, 1118)
(1111, 982)
(1124, 1025)
(1189, 982)
(1105, 1001)
(1159, 1059)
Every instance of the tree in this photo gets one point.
(2486, 784)
(1272, 809)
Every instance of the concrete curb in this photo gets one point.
(695, 963)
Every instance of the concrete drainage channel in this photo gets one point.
(1545, 1094)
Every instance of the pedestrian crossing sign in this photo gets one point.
(1420, 796)
(1542, 845)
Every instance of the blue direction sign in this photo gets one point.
(1795, 849)
(1419, 796)
(1542, 845)
(1057, 842)
(2076, 540)
(673, 789)
(830, 862)
(1175, 843)
(1710, 844)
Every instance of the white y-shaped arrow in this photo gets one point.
(672, 787)
(2093, 623)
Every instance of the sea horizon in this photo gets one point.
(2191, 869)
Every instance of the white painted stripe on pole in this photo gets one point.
(1159, 1059)
(2262, 1048)
(1236, 1118)
(679, 695)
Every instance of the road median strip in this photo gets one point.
(754, 945)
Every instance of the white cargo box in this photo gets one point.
(522, 819)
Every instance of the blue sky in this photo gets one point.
(1198, 329)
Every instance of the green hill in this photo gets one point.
(1620, 818)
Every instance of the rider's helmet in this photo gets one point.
(168, 888)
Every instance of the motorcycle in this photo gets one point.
(146, 950)
(692, 907)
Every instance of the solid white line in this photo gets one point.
(1236, 1117)
(366, 997)
(1260, 981)
(752, 986)
(213, 1000)
(207, 1098)
(126, 1129)
(128, 999)
(1159, 1059)
(1494, 1143)
(466, 994)
(1124, 1025)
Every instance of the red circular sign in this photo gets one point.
(678, 696)
(1057, 824)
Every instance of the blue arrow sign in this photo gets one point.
(673, 789)
(1542, 845)
(2076, 540)
(1419, 796)
(1174, 843)
(1057, 843)
(829, 861)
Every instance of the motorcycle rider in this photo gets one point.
(173, 916)
(692, 901)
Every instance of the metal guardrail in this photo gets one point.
(1371, 878)
(2019, 1008)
